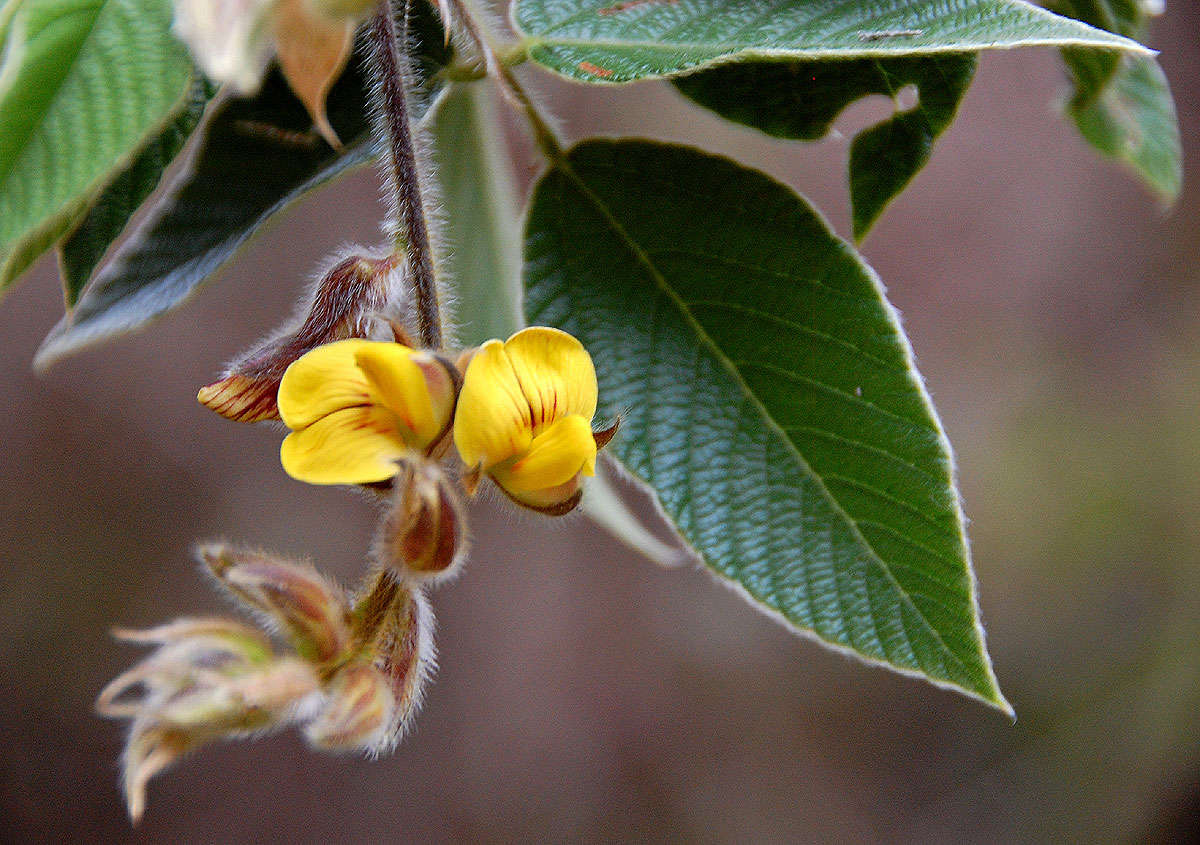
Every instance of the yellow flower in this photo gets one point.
(525, 417)
(356, 406)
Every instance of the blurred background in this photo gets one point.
(586, 694)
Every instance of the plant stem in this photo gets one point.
(412, 232)
(513, 91)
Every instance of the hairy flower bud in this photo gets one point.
(311, 610)
(344, 305)
(423, 535)
(208, 679)
(358, 713)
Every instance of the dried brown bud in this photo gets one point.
(311, 610)
(208, 679)
(345, 302)
(423, 535)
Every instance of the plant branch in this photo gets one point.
(412, 233)
(514, 92)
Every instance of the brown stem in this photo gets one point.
(392, 102)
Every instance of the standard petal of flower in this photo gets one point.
(556, 374)
(492, 422)
(556, 455)
(325, 380)
(351, 446)
(401, 385)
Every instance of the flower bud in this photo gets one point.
(358, 713)
(344, 303)
(423, 536)
(308, 608)
(402, 652)
(208, 679)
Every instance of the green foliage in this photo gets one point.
(768, 396)
(480, 253)
(82, 83)
(801, 100)
(1122, 104)
(610, 41)
(1132, 119)
(82, 250)
(253, 158)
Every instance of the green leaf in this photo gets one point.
(1132, 119)
(82, 83)
(252, 158)
(478, 250)
(611, 41)
(1122, 104)
(768, 396)
(106, 219)
(801, 100)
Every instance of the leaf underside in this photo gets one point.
(800, 100)
(768, 396)
(1132, 119)
(82, 250)
(610, 41)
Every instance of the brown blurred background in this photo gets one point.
(585, 694)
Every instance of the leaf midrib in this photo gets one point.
(643, 258)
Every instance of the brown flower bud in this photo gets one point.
(404, 654)
(423, 535)
(344, 303)
(208, 679)
(357, 714)
(310, 610)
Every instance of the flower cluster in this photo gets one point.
(350, 673)
(408, 425)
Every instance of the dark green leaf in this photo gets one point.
(82, 84)
(106, 219)
(801, 100)
(611, 41)
(252, 158)
(768, 397)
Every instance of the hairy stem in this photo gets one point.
(412, 231)
(513, 91)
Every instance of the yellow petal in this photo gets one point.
(350, 446)
(322, 381)
(556, 374)
(401, 378)
(555, 456)
(492, 421)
